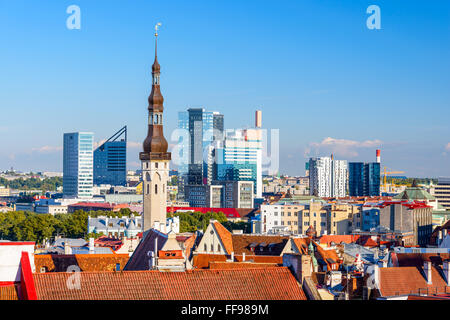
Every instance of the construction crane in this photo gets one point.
(386, 173)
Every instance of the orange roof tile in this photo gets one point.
(86, 262)
(9, 292)
(204, 260)
(417, 259)
(234, 284)
(410, 280)
(273, 245)
(239, 265)
(225, 236)
(338, 239)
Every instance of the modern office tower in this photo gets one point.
(239, 158)
(356, 179)
(204, 128)
(441, 192)
(78, 165)
(364, 179)
(155, 158)
(327, 177)
(183, 161)
(372, 179)
(110, 160)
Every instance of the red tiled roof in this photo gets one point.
(225, 237)
(302, 246)
(437, 297)
(104, 241)
(337, 239)
(189, 245)
(9, 292)
(276, 283)
(204, 260)
(418, 259)
(100, 205)
(410, 280)
(86, 262)
(239, 265)
(270, 245)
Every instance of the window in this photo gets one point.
(156, 165)
(212, 247)
(205, 248)
(156, 188)
(218, 248)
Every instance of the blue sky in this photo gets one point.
(313, 67)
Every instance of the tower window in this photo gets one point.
(156, 165)
(156, 189)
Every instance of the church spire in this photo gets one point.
(155, 141)
(154, 158)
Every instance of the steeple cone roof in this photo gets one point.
(156, 68)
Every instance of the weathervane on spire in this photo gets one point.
(156, 28)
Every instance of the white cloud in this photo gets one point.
(447, 147)
(133, 144)
(47, 149)
(340, 147)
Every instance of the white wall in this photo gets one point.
(10, 255)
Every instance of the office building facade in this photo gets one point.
(364, 179)
(442, 192)
(196, 147)
(110, 160)
(240, 158)
(78, 165)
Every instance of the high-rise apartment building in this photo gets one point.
(327, 177)
(78, 165)
(364, 179)
(110, 160)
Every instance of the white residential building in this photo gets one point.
(78, 165)
(328, 177)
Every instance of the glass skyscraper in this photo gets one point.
(110, 160)
(239, 158)
(203, 127)
(78, 165)
(364, 179)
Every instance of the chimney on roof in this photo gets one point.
(91, 245)
(67, 248)
(376, 275)
(427, 270)
(232, 256)
(243, 256)
(446, 265)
